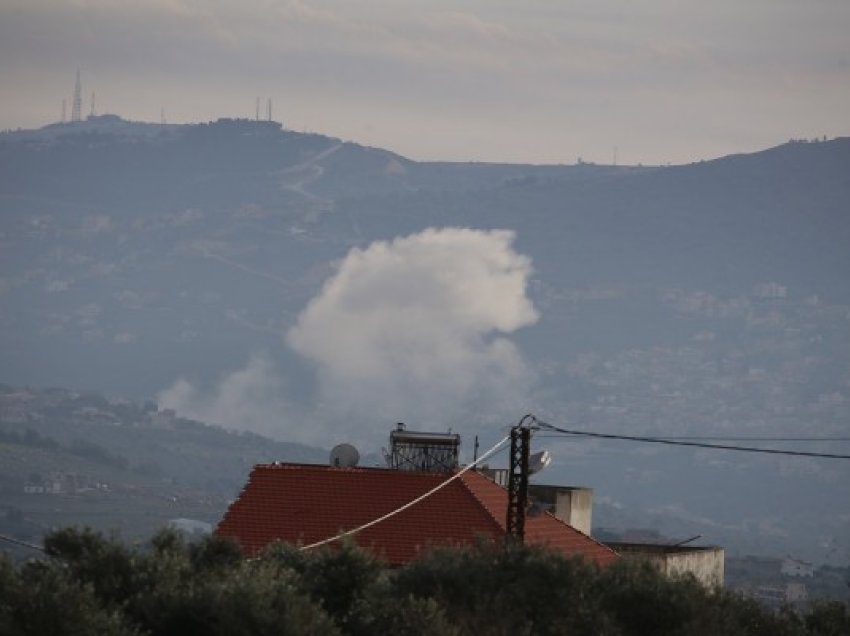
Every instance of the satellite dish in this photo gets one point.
(539, 461)
(344, 456)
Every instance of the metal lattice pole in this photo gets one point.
(518, 484)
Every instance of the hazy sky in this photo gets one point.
(531, 81)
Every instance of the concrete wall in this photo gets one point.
(571, 505)
(706, 564)
(575, 507)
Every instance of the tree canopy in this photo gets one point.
(92, 584)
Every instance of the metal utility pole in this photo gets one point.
(518, 483)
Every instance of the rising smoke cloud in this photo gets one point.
(410, 330)
(413, 329)
(249, 399)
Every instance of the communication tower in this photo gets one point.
(77, 107)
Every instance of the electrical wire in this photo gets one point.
(674, 442)
(31, 546)
(443, 484)
(732, 438)
(735, 438)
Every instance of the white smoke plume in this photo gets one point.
(249, 399)
(411, 329)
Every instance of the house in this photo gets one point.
(307, 503)
(776, 596)
(793, 567)
(574, 506)
(705, 563)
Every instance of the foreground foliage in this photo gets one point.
(94, 585)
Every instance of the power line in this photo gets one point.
(737, 438)
(25, 544)
(393, 513)
(674, 442)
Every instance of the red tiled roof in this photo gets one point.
(304, 503)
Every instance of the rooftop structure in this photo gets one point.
(570, 504)
(418, 450)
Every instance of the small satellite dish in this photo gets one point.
(539, 461)
(344, 456)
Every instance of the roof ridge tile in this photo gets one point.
(496, 519)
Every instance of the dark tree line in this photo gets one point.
(90, 584)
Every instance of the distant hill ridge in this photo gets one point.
(115, 125)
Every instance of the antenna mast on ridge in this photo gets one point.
(77, 107)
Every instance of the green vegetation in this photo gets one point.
(93, 584)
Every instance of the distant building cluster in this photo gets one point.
(770, 290)
(774, 582)
(62, 483)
